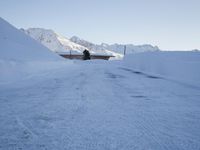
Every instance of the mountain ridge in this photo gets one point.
(119, 48)
(75, 45)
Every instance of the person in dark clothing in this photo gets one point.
(86, 55)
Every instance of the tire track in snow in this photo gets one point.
(143, 124)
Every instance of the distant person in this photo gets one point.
(86, 55)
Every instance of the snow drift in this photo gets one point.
(179, 66)
(20, 54)
(15, 45)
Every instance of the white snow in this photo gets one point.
(117, 48)
(50, 104)
(53, 41)
(130, 48)
(18, 51)
(98, 105)
(15, 45)
(178, 66)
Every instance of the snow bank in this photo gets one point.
(13, 71)
(22, 56)
(179, 66)
(16, 45)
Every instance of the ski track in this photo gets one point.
(100, 106)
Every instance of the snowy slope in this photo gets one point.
(52, 40)
(84, 43)
(15, 45)
(21, 56)
(118, 48)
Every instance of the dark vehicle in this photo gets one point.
(86, 55)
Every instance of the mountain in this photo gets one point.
(95, 47)
(61, 44)
(15, 45)
(130, 48)
(118, 48)
(85, 43)
(53, 41)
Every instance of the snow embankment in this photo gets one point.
(14, 71)
(21, 56)
(179, 66)
(16, 45)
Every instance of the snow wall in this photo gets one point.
(180, 66)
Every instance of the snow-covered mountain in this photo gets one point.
(130, 48)
(87, 44)
(53, 41)
(61, 44)
(95, 47)
(17, 46)
(118, 48)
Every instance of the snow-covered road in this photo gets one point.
(99, 105)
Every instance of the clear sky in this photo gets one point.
(169, 24)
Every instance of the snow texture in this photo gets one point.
(177, 66)
(98, 105)
(15, 45)
(20, 55)
(46, 104)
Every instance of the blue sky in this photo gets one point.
(169, 24)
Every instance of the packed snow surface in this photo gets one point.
(98, 105)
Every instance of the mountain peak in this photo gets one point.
(53, 41)
(75, 38)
